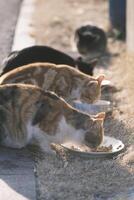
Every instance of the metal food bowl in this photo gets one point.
(99, 106)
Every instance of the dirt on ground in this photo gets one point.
(75, 177)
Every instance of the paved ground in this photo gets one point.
(16, 175)
(16, 166)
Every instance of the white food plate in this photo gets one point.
(117, 147)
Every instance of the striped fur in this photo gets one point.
(66, 82)
(28, 113)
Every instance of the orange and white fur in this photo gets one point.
(29, 114)
(69, 83)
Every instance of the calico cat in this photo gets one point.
(91, 41)
(66, 82)
(34, 54)
(29, 114)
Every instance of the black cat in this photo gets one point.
(91, 41)
(45, 54)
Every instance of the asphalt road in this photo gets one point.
(9, 10)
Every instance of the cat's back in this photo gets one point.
(35, 54)
(17, 92)
(17, 103)
(28, 73)
(61, 79)
(41, 72)
(17, 108)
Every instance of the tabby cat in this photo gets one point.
(29, 114)
(66, 82)
(38, 53)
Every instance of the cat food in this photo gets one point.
(81, 148)
(84, 148)
(104, 149)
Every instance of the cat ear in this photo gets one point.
(99, 121)
(100, 115)
(100, 78)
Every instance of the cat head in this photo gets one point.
(95, 132)
(91, 90)
(90, 39)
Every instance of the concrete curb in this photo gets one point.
(23, 34)
(17, 179)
